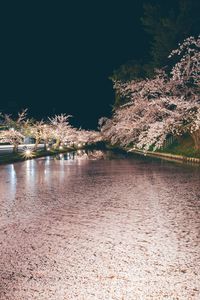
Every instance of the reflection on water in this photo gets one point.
(98, 225)
(13, 179)
(82, 155)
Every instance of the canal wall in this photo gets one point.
(166, 156)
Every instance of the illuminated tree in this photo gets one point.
(13, 137)
(186, 80)
(40, 131)
(15, 123)
(60, 128)
(14, 133)
(88, 136)
(161, 106)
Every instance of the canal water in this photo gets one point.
(99, 225)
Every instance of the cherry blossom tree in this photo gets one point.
(89, 136)
(186, 79)
(57, 130)
(82, 137)
(13, 137)
(187, 69)
(40, 131)
(161, 106)
(147, 88)
(195, 129)
(15, 123)
(14, 132)
(61, 129)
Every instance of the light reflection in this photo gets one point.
(30, 171)
(12, 175)
(8, 186)
(80, 155)
(13, 181)
(47, 171)
(61, 156)
(47, 160)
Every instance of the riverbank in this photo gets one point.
(8, 158)
(181, 150)
(164, 155)
(17, 157)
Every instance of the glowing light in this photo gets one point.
(28, 153)
(61, 147)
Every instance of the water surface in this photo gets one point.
(99, 226)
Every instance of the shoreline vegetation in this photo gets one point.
(182, 150)
(168, 156)
(9, 158)
(160, 115)
(157, 106)
(182, 156)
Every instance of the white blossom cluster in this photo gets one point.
(56, 132)
(187, 68)
(167, 105)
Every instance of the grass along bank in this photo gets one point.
(181, 149)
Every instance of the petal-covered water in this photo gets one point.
(99, 227)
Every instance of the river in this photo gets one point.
(99, 226)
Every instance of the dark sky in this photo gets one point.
(57, 56)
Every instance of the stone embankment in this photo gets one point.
(167, 156)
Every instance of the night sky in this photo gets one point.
(57, 56)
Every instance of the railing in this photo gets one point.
(9, 148)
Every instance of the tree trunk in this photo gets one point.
(15, 148)
(37, 141)
(196, 138)
(57, 144)
(45, 145)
